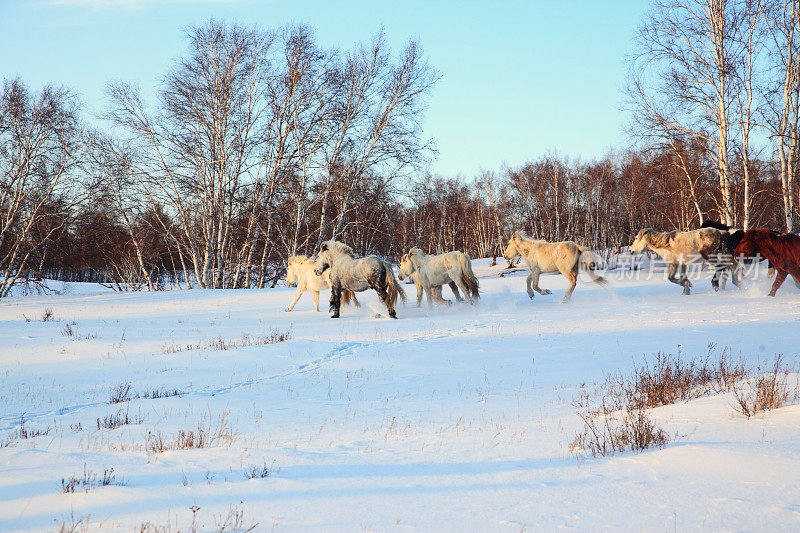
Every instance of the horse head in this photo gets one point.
(406, 267)
(749, 245)
(323, 263)
(292, 272)
(641, 241)
(511, 250)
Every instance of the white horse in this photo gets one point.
(679, 248)
(546, 257)
(452, 268)
(352, 274)
(300, 273)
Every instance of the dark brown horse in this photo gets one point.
(782, 251)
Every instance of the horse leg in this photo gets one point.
(528, 285)
(336, 300)
(780, 276)
(672, 270)
(380, 287)
(420, 289)
(296, 297)
(534, 277)
(316, 301)
(687, 285)
(436, 291)
(456, 284)
(454, 288)
(572, 277)
(718, 273)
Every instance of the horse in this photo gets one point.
(565, 257)
(300, 273)
(418, 284)
(782, 251)
(736, 238)
(349, 273)
(735, 233)
(679, 248)
(453, 268)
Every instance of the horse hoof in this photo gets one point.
(335, 316)
(530, 296)
(287, 310)
(548, 291)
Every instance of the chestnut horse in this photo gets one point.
(782, 251)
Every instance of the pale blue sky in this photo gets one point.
(520, 79)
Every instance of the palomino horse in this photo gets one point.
(452, 268)
(300, 273)
(351, 274)
(782, 251)
(679, 248)
(546, 257)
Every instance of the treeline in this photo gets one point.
(260, 145)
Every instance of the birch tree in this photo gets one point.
(39, 147)
(682, 79)
(782, 109)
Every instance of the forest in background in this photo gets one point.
(260, 144)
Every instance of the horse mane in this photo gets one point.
(337, 246)
(297, 259)
(660, 239)
(716, 225)
(520, 234)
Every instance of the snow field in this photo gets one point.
(448, 419)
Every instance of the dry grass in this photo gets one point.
(613, 433)
(670, 378)
(156, 393)
(124, 393)
(204, 436)
(89, 481)
(121, 393)
(615, 417)
(23, 432)
(769, 389)
(260, 471)
(75, 525)
(221, 344)
(119, 419)
(234, 521)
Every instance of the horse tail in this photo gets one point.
(349, 297)
(393, 288)
(467, 276)
(590, 261)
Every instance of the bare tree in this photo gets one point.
(379, 112)
(39, 146)
(682, 78)
(204, 146)
(783, 97)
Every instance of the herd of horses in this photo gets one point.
(724, 248)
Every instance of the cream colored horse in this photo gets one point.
(546, 257)
(300, 273)
(349, 273)
(679, 248)
(452, 268)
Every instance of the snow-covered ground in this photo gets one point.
(450, 419)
